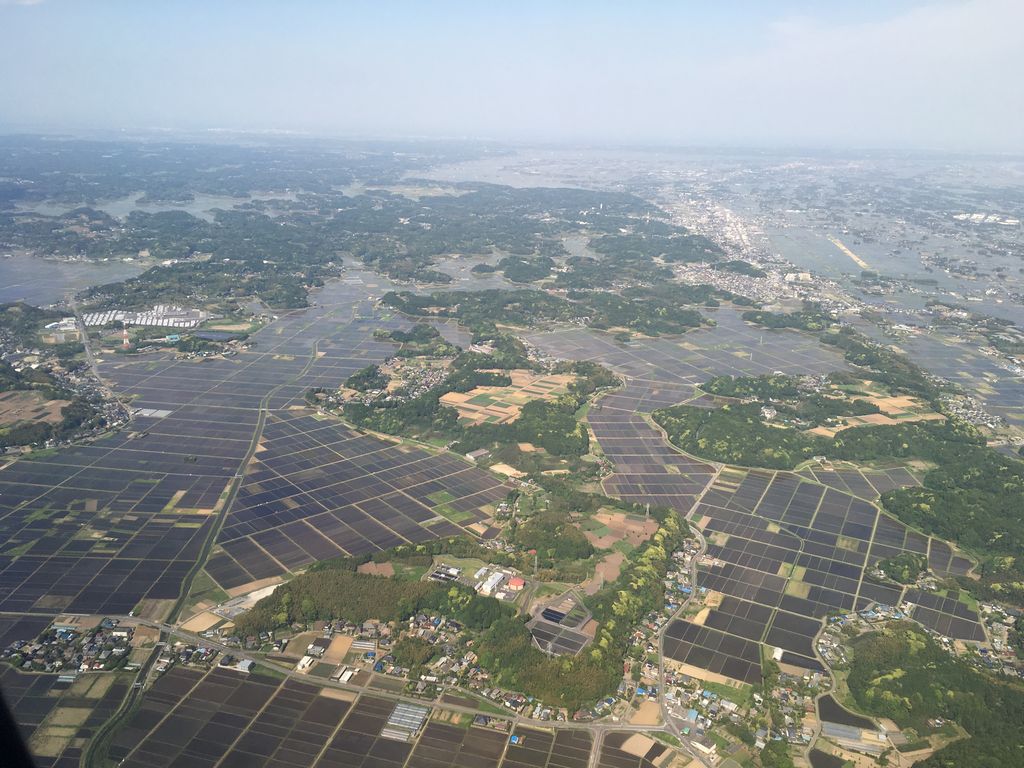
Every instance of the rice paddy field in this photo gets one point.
(786, 549)
(230, 479)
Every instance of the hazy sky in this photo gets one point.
(933, 74)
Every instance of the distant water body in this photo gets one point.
(201, 206)
(40, 281)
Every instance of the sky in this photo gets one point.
(937, 74)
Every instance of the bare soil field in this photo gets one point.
(201, 622)
(145, 635)
(228, 327)
(339, 646)
(501, 405)
(377, 569)
(252, 586)
(638, 744)
(700, 673)
(606, 571)
(506, 470)
(336, 693)
(616, 527)
(69, 716)
(154, 610)
(29, 406)
(701, 616)
(648, 714)
(51, 741)
(296, 647)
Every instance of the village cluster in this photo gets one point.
(68, 648)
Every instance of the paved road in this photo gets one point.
(84, 330)
(595, 750)
(670, 724)
(237, 480)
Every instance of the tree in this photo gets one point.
(412, 652)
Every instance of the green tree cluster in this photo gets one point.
(766, 387)
(651, 311)
(410, 652)
(551, 425)
(887, 365)
(775, 754)
(548, 424)
(22, 323)
(508, 649)
(973, 496)
(741, 267)
(792, 401)
(905, 567)
(339, 592)
(810, 318)
(366, 379)
(425, 415)
(903, 674)
(737, 434)
(552, 535)
(421, 340)
(526, 270)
